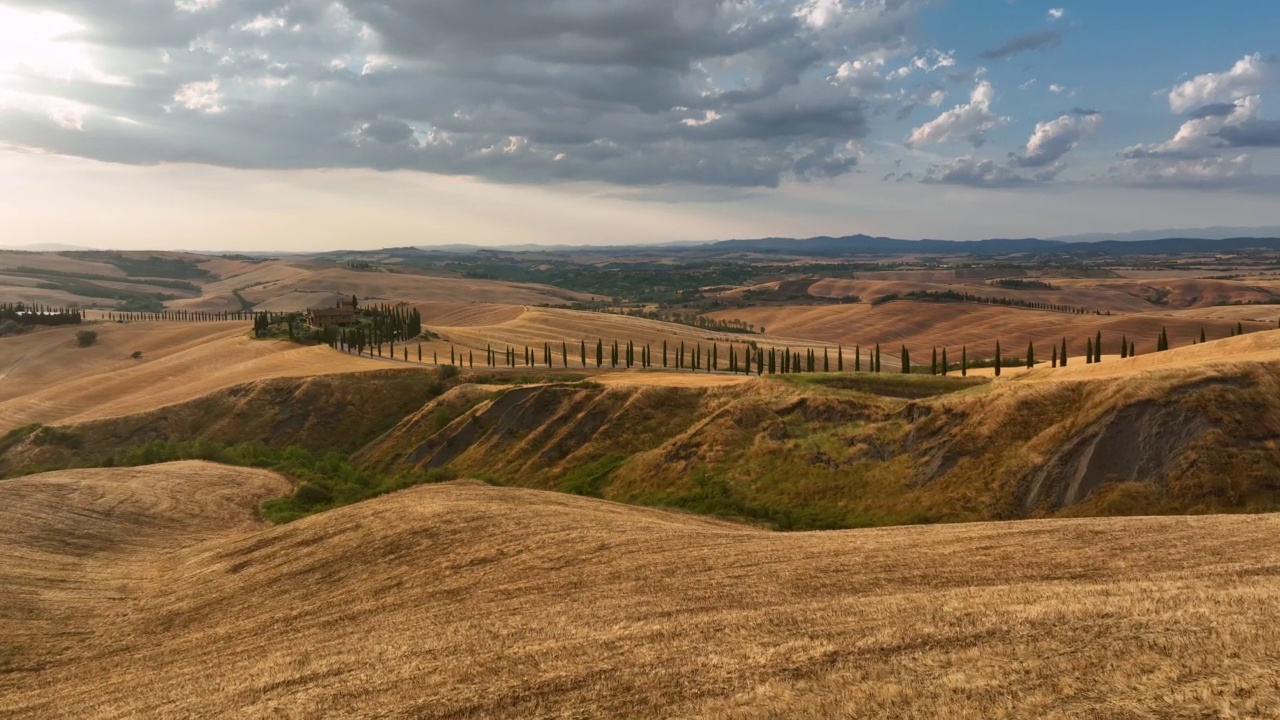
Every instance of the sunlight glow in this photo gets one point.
(36, 44)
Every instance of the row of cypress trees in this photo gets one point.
(40, 314)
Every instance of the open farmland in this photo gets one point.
(468, 601)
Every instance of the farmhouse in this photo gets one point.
(341, 316)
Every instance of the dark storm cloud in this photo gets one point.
(1252, 133)
(635, 92)
(1214, 110)
(1024, 43)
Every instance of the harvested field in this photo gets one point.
(45, 378)
(466, 601)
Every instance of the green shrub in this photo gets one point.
(85, 338)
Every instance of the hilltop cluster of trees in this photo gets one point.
(1019, 284)
(698, 321)
(942, 296)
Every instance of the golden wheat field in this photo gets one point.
(154, 592)
(46, 378)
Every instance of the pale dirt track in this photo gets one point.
(153, 594)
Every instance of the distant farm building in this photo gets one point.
(341, 316)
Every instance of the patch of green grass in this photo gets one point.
(16, 435)
(325, 481)
(714, 496)
(895, 385)
(588, 480)
(525, 378)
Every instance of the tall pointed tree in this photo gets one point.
(906, 361)
(1062, 356)
(1031, 355)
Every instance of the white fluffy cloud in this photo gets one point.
(969, 122)
(1053, 139)
(1196, 139)
(1248, 76)
(1222, 113)
(1056, 13)
(971, 172)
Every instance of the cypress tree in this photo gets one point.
(964, 361)
(419, 352)
(1131, 349)
(1124, 346)
(840, 359)
(715, 357)
(826, 361)
(584, 352)
(945, 369)
(773, 360)
(1088, 351)
(1201, 334)
(997, 358)
(759, 362)
(877, 360)
(1031, 355)
(599, 353)
(857, 358)
(906, 361)
(664, 353)
(1239, 328)
(933, 367)
(1055, 356)
(1062, 356)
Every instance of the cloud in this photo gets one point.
(1197, 137)
(1026, 42)
(1248, 76)
(973, 173)
(1213, 110)
(1057, 89)
(1052, 140)
(1056, 13)
(629, 92)
(200, 96)
(1235, 171)
(1251, 133)
(969, 122)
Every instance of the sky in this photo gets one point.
(325, 124)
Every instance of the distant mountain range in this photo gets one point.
(867, 245)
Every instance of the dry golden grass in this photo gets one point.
(922, 326)
(45, 378)
(57, 263)
(151, 593)
(1221, 356)
(671, 379)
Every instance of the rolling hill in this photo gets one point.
(154, 592)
